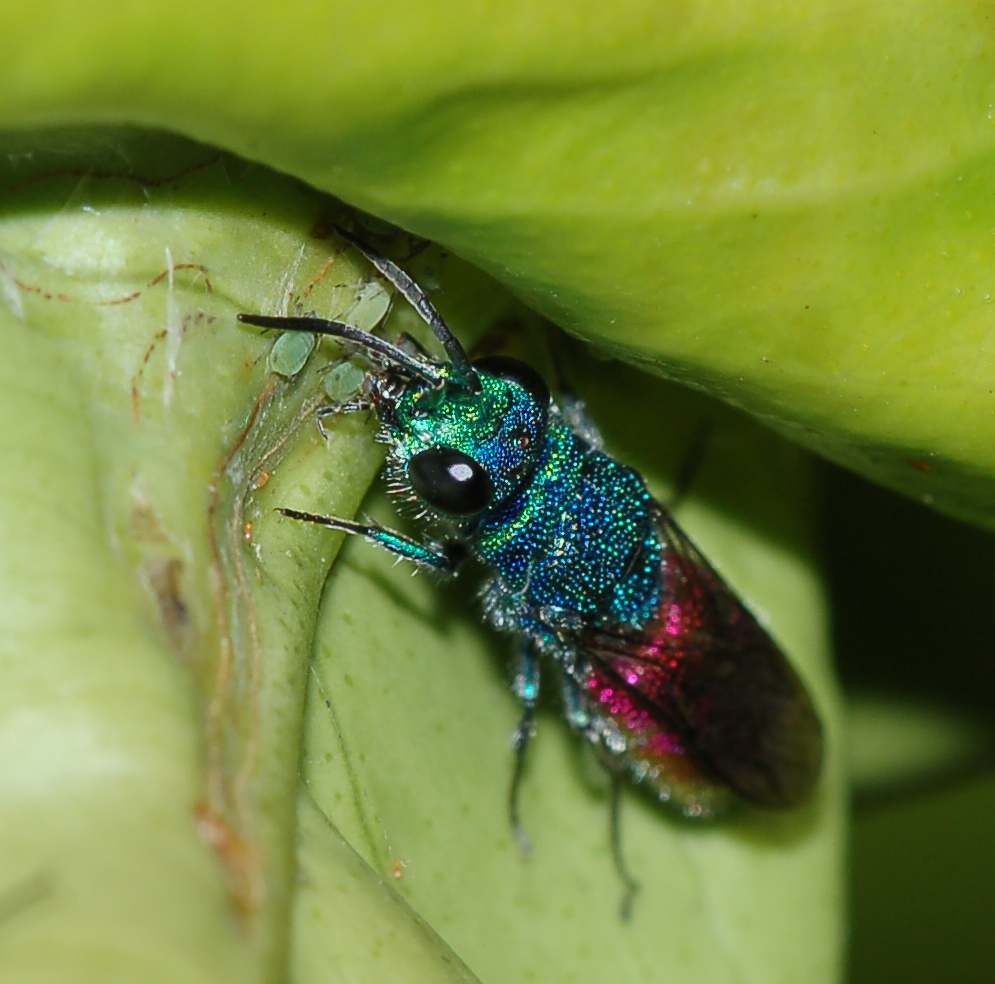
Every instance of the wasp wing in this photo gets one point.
(701, 696)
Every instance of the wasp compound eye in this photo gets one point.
(450, 481)
(505, 367)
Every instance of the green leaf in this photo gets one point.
(922, 870)
(349, 925)
(159, 622)
(790, 208)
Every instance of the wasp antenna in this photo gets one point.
(418, 299)
(350, 333)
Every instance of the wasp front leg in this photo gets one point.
(358, 405)
(443, 558)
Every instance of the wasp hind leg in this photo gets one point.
(581, 720)
(630, 886)
(525, 686)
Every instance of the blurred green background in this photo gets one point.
(912, 619)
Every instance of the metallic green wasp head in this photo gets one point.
(464, 452)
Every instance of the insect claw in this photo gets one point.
(628, 898)
(522, 839)
(629, 884)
